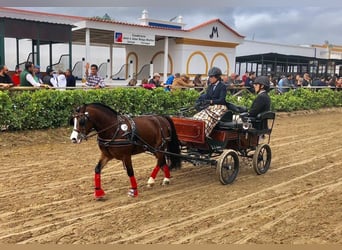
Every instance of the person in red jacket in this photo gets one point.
(16, 76)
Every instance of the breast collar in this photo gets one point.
(125, 133)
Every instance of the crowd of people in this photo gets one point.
(31, 76)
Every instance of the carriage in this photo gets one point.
(231, 139)
(173, 139)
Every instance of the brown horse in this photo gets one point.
(120, 137)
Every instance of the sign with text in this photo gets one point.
(132, 38)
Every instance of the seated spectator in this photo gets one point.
(145, 84)
(198, 83)
(37, 74)
(132, 82)
(169, 81)
(319, 82)
(49, 78)
(26, 76)
(155, 80)
(16, 76)
(5, 79)
(70, 79)
(249, 82)
(92, 78)
(339, 84)
(306, 80)
(59, 80)
(181, 83)
(284, 84)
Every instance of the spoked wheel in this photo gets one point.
(262, 158)
(227, 167)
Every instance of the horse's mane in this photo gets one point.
(103, 106)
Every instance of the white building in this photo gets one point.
(159, 46)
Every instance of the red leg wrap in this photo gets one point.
(98, 190)
(166, 171)
(155, 172)
(133, 182)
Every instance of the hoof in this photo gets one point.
(133, 192)
(99, 194)
(150, 182)
(166, 181)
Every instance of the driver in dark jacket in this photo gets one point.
(212, 105)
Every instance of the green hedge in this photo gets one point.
(51, 109)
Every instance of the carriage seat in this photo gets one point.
(226, 122)
(260, 122)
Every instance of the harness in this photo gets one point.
(126, 133)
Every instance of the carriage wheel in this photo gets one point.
(227, 167)
(262, 158)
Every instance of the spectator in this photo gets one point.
(147, 85)
(16, 76)
(198, 82)
(26, 76)
(212, 105)
(284, 84)
(155, 80)
(59, 80)
(339, 84)
(37, 74)
(319, 82)
(133, 82)
(70, 79)
(181, 83)
(93, 79)
(249, 82)
(5, 79)
(49, 77)
(306, 80)
(244, 77)
(169, 81)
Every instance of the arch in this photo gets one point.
(201, 54)
(127, 62)
(220, 54)
(169, 58)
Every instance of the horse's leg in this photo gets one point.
(161, 164)
(133, 191)
(167, 175)
(99, 193)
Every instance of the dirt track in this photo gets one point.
(46, 196)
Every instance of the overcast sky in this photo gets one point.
(289, 22)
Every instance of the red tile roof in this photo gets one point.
(19, 11)
(214, 21)
(80, 18)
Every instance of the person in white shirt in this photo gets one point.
(59, 80)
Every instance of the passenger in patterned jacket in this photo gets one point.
(212, 105)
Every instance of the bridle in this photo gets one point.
(84, 117)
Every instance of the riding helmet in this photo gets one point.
(263, 80)
(215, 71)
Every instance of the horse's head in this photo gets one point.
(82, 124)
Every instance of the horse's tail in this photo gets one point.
(173, 146)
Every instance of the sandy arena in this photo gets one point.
(46, 196)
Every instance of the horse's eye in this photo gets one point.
(82, 121)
